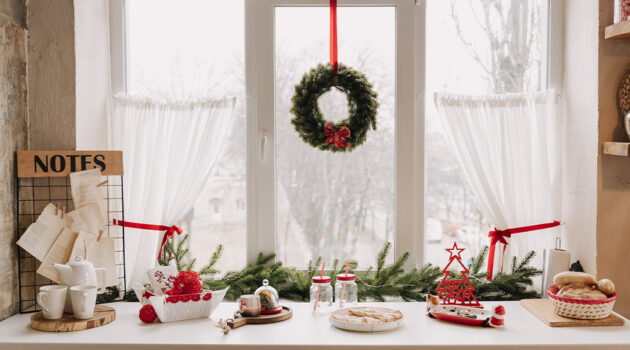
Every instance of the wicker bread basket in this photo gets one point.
(581, 309)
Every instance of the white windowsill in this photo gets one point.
(306, 331)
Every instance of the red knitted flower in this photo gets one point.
(186, 282)
(147, 314)
(173, 291)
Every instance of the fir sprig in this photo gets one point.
(175, 250)
(208, 269)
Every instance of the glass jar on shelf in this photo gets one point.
(346, 291)
(321, 295)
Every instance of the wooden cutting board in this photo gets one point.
(239, 320)
(543, 309)
(102, 315)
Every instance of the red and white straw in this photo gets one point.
(319, 287)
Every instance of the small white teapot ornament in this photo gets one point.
(80, 272)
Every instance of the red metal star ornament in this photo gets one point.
(455, 251)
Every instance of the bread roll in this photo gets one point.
(606, 286)
(581, 291)
(565, 278)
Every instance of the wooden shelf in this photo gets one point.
(617, 148)
(619, 30)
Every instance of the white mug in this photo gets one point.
(52, 299)
(83, 301)
(250, 305)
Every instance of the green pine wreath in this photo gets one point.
(309, 121)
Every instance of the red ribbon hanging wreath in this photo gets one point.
(333, 36)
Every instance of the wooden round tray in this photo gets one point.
(239, 320)
(102, 315)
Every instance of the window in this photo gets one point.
(307, 202)
(329, 204)
(272, 193)
(186, 59)
(473, 47)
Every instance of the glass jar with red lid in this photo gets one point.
(321, 293)
(346, 291)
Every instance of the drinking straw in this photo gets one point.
(319, 287)
(344, 285)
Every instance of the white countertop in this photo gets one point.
(308, 331)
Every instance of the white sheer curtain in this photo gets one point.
(169, 150)
(509, 148)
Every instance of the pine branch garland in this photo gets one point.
(385, 282)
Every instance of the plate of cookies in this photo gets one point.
(579, 295)
(366, 319)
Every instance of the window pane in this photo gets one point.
(194, 49)
(472, 47)
(334, 205)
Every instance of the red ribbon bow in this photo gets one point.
(337, 137)
(498, 236)
(170, 230)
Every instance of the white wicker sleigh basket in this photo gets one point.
(171, 308)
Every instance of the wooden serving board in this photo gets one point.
(543, 309)
(102, 315)
(239, 320)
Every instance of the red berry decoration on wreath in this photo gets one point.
(337, 137)
(147, 314)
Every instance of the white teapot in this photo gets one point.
(80, 272)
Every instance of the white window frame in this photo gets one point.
(409, 129)
(410, 102)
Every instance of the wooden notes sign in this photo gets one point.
(62, 163)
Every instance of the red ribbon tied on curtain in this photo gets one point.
(498, 236)
(337, 137)
(170, 230)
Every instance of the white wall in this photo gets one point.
(581, 135)
(92, 73)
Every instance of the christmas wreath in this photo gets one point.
(309, 121)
